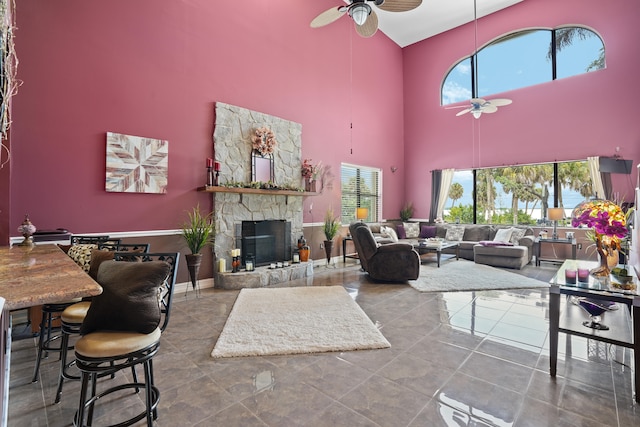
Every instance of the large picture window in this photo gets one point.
(361, 188)
(516, 194)
(523, 58)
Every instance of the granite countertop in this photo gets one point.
(41, 274)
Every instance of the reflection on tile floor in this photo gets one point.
(457, 359)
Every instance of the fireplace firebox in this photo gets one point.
(268, 241)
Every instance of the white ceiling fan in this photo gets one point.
(364, 17)
(479, 106)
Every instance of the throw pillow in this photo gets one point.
(81, 254)
(98, 256)
(517, 234)
(502, 235)
(129, 298)
(411, 229)
(455, 232)
(427, 231)
(400, 231)
(389, 233)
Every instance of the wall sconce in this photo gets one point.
(555, 215)
(393, 169)
(362, 214)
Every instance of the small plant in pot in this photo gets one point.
(331, 227)
(198, 232)
(406, 212)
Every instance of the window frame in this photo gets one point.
(375, 215)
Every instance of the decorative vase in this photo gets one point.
(608, 257)
(193, 265)
(304, 254)
(328, 246)
(310, 185)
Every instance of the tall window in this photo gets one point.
(523, 58)
(361, 188)
(516, 194)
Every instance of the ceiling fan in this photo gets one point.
(364, 17)
(479, 106)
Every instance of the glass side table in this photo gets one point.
(624, 324)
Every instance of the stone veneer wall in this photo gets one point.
(232, 146)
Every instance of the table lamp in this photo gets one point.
(555, 214)
(362, 214)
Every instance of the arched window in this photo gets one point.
(524, 58)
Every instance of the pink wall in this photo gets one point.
(155, 68)
(568, 119)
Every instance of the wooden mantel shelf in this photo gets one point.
(242, 190)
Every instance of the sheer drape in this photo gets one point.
(596, 179)
(445, 185)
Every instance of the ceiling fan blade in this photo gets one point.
(369, 27)
(499, 102)
(465, 111)
(328, 16)
(479, 101)
(455, 107)
(488, 108)
(399, 5)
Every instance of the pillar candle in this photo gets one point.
(210, 162)
(222, 265)
(216, 166)
(570, 276)
(296, 258)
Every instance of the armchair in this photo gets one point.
(395, 262)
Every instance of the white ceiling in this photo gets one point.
(433, 17)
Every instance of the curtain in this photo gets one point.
(596, 180)
(445, 185)
(436, 176)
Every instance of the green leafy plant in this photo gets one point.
(331, 225)
(406, 212)
(199, 230)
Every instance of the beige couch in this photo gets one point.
(516, 256)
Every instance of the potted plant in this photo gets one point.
(331, 227)
(198, 232)
(406, 212)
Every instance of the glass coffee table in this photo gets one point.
(424, 248)
(622, 325)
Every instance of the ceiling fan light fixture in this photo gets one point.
(476, 113)
(359, 13)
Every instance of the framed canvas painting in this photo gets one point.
(136, 164)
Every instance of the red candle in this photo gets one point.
(209, 163)
(216, 166)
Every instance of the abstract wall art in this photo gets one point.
(136, 164)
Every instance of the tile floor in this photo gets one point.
(457, 359)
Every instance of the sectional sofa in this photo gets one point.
(477, 241)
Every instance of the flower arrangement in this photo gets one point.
(608, 222)
(264, 141)
(309, 171)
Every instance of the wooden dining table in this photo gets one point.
(31, 276)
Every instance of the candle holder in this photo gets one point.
(210, 179)
(216, 178)
(235, 264)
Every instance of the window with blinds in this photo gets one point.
(361, 188)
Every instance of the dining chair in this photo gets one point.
(79, 251)
(73, 315)
(121, 330)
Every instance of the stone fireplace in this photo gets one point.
(233, 147)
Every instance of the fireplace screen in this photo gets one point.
(267, 241)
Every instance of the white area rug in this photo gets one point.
(465, 275)
(296, 320)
